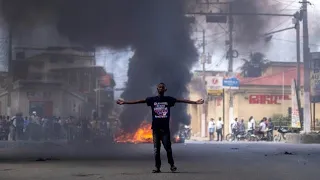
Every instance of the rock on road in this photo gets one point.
(224, 161)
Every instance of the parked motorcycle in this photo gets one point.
(179, 137)
(187, 132)
(238, 136)
(281, 134)
(256, 136)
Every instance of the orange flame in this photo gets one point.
(142, 135)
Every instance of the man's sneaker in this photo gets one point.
(173, 168)
(156, 170)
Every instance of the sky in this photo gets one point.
(282, 47)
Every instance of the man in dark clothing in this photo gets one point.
(160, 107)
(270, 129)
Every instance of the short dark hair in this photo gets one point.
(162, 84)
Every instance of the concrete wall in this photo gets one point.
(71, 104)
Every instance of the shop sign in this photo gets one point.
(214, 85)
(268, 99)
(231, 83)
(315, 77)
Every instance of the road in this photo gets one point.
(196, 160)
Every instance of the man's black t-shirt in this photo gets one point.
(160, 106)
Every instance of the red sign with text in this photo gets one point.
(268, 99)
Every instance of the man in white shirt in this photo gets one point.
(262, 127)
(251, 125)
(219, 127)
(211, 127)
(234, 126)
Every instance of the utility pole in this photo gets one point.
(203, 61)
(230, 51)
(230, 58)
(306, 61)
(10, 71)
(297, 19)
(297, 27)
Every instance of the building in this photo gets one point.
(259, 97)
(56, 81)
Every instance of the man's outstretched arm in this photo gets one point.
(200, 101)
(121, 102)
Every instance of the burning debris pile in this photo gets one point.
(142, 135)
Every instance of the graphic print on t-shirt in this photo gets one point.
(160, 110)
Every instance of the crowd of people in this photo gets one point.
(265, 127)
(38, 128)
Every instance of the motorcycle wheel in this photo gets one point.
(248, 137)
(188, 136)
(229, 137)
(277, 138)
(254, 138)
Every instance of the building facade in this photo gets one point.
(56, 81)
(264, 96)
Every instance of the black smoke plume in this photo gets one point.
(155, 29)
(248, 29)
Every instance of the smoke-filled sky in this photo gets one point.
(156, 31)
(280, 48)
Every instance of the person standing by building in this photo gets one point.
(270, 129)
(234, 126)
(160, 107)
(219, 127)
(211, 127)
(242, 128)
(251, 125)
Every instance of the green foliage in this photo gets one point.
(255, 65)
(280, 120)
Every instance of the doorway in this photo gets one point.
(42, 108)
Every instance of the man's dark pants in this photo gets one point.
(219, 134)
(164, 137)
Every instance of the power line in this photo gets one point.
(291, 41)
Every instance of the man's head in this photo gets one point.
(219, 118)
(161, 88)
(211, 119)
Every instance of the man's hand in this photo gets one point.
(200, 101)
(120, 102)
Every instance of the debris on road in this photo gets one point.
(288, 153)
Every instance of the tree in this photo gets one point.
(255, 65)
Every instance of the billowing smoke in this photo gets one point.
(155, 29)
(248, 29)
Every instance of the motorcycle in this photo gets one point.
(179, 137)
(238, 136)
(256, 136)
(187, 132)
(281, 134)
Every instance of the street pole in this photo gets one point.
(306, 60)
(230, 64)
(298, 54)
(297, 27)
(204, 111)
(10, 71)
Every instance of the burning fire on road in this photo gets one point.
(142, 135)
